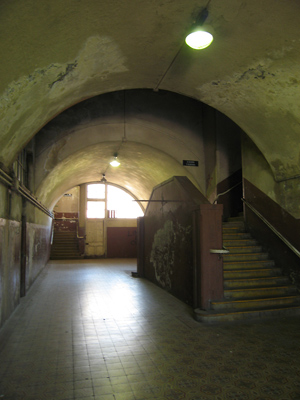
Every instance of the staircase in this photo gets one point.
(253, 286)
(65, 246)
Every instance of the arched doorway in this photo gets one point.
(96, 220)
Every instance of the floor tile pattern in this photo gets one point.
(89, 330)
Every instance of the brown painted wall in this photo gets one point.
(10, 242)
(285, 223)
(168, 228)
(37, 254)
(121, 242)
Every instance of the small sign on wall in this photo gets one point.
(190, 163)
(68, 195)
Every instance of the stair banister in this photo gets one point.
(227, 191)
(273, 229)
(219, 251)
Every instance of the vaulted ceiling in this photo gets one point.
(55, 54)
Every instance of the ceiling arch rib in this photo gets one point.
(142, 167)
(159, 126)
(55, 56)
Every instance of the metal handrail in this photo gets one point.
(15, 185)
(273, 229)
(222, 194)
(66, 218)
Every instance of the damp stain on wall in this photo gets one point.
(163, 253)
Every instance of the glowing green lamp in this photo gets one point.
(199, 37)
(115, 162)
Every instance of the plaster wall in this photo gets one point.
(278, 202)
(228, 137)
(37, 238)
(57, 55)
(3, 201)
(37, 250)
(285, 193)
(69, 202)
(121, 222)
(151, 132)
(222, 144)
(10, 242)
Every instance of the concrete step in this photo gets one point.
(233, 229)
(244, 249)
(234, 222)
(256, 282)
(245, 257)
(256, 304)
(64, 245)
(236, 235)
(253, 264)
(260, 293)
(64, 239)
(238, 242)
(74, 257)
(211, 317)
(253, 286)
(64, 242)
(251, 273)
(67, 252)
(239, 218)
(65, 234)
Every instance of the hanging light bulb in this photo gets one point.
(115, 162)
(200, 36)
(198, 40)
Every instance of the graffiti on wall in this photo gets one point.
(166, 243)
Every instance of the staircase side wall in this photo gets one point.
(177, 242)
(210, 271)
(168, 250)
(284, 222)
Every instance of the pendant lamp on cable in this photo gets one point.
(115, 162)
(200, 35)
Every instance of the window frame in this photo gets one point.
(105, 199)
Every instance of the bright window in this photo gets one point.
(118, 203)
(95, 209)
(96, 191)
(122, 203)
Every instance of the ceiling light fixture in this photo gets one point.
(199, 36)
(115, 162)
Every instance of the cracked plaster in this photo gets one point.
(272, 94)
(53, 85)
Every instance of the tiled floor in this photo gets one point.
(89, 330)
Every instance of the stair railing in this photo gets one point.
(15, 185)
(273, 229)
(77, 231)
(222, 194)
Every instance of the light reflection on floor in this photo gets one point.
(89, 330)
